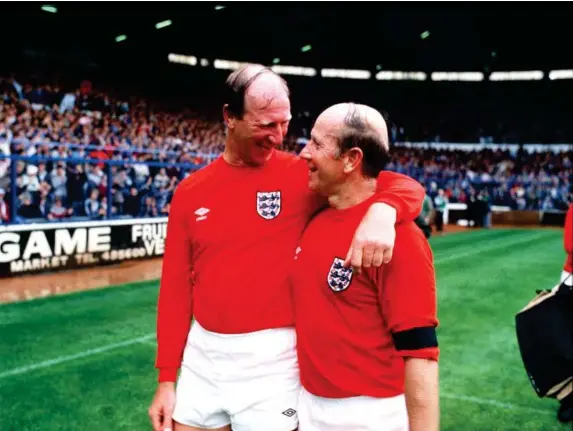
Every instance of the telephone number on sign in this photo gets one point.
(128, 253)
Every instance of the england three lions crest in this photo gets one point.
(339, 277)
(268, 204)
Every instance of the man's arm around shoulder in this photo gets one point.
(402, 193)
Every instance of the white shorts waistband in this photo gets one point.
(269, 339)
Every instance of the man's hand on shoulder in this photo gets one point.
(373, 242)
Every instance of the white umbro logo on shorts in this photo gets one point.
(289, 412)
(201, 212)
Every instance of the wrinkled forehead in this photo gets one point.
(267, 102)
(326, 128)
(268, 110)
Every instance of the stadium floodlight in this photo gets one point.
(293, 70)
(228, 64)
(162, 24)
(219, 7)
(346, 73)
(425, 35)
(190, 60)
(561, 74)
(49, 8)
(457, 76)
(306, 48)
(521, 75)
(394, 75)
(120, 38)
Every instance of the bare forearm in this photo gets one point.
(422, 394)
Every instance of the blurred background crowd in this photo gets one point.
(85, 153)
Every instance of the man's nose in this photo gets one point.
(305, 154)
(277, 135)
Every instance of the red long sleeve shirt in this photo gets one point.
(231, 235)
(354, 331)
(568, 240)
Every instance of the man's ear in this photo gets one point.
(352, 159)
(228, 117)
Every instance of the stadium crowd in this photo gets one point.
(151, 152)
(521, 181)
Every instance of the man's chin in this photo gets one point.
(313, 186)
(261, 158)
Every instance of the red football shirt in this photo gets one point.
(231, 235)
(353, 332)
(568, 240)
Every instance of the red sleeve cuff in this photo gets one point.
(167, 375)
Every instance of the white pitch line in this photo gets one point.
(442, 259)
(494, 403)
(147, 339)
(150, 342)
(85, 353)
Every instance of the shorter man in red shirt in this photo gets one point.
(366, 343)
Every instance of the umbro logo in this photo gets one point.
(201, 213)
(289, 412)
(297, 251)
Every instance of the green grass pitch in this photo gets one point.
(84, 361)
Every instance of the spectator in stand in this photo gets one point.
(42, 174)
(92, 205)
(27, 209)
(440, 203)
(59, 182)
(150, 209)
(30, 180)
(102, 212)
(4, 212)
(44, 203)
(58, 211)
(132, 205)
(161, 180)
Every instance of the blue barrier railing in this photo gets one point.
(209, 156)
(77, 161)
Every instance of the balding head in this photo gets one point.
(253, 85)
(358, 126)
(256, 114)
(352, 118)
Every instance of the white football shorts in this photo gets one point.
(250, 381)
(351, 414)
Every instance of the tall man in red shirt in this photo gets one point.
(367, 345)
(232, 230)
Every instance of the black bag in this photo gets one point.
(545, 338)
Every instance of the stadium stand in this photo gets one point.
(72, 153)
(130, 118)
